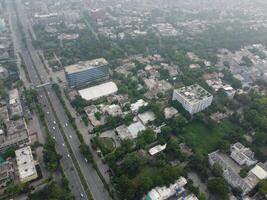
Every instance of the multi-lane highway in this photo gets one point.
(39, 75)
(66, 162)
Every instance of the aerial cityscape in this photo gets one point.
(133, 100)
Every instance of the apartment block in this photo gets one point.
(193, 98)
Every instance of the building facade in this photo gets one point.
(193, 98)
(85, 73)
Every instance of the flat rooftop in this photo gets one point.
(25, 162)
(193, 93)
(98, 91)
(84, 65)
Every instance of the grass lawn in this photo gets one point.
(107, 143)
(204, 139)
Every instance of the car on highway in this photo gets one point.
(81, 195)
(63, 144)
(70, 136)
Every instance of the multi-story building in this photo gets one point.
(15, 107)
(230, 171)
(16, 135)
(5, 173)
(242, 155)
(87, 72)
(26, 164)
(161, 193)
(194, 98)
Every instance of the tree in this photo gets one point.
(243, 173)
(132, 164)
(219, 186)
(216, 170)
(260, 138)
(10, 152)
(51, 158)
(202, 196)
(85, 151)
(263, 187)
(145, 137)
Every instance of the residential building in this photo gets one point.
(146, 117)
(50, 18)
(87, 72)
(91, 112)
(3, 72)
(26, 164)
(5, 173)
(15, 107)
(157, 149)
(188, 197)
(131, 132)
(135, 129)
(194, 98)
(230, 171)
(135, 106)
(163, 193)
(112, 110)
(16, 135)
(242, 155)
(169, 112)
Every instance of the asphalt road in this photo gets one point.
(94, 182)
(66, 162)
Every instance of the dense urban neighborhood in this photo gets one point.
(133, 100)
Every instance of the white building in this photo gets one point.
(242, 155)
(26, 164)
(188, 197)
(135, 129)
(135, 106)
(194, 98)
(162, 193)
(95, 92)
(146, 117)
(156, 149)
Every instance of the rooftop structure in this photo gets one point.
(135, 128)
(194, 98)
(135, 106)
(91, 111)
(170, 112)
(95, 92)
(5, 172)
(13, 140)
(26, 164)
(3, 72)
(14, 103)
(242, 155)
(147, 117)
(87, 72)
(231, 172)
(157, 149)
(112, 110)
(163, 193)
(188, 197)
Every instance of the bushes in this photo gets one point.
(219, 186)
